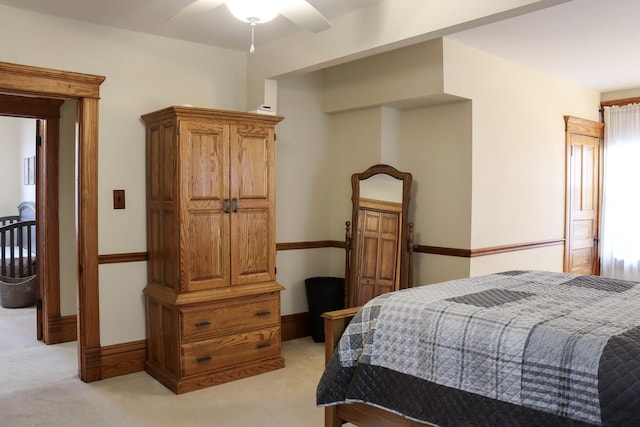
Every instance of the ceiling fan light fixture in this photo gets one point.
(254, 11)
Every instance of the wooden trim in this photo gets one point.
(425, 249)
(513, 248)
(38, 81)
(87, 237)
(61, 329)
(433, 250)
(24, 80)
(438, 250)
(125, 257)
(472, 253)
(122, 359)
(33, 108)
(295, 326)
(620, 102)
(583, 126)
(310, 245)
(48, 230)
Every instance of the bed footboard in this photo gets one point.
(335, 322)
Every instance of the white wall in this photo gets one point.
(17, 142)
(143, 73)
(11, 166)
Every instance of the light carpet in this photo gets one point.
(39, 386)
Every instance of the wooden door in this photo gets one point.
(583, 193)
(377, 261)
(252, 157)
(205, 204)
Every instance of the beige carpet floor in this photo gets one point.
(39, 386)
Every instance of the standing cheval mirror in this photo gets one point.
(379, 237)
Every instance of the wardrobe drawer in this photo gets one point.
(216, 353)
(223, 318)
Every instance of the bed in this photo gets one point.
(18, 242)
(517, 348)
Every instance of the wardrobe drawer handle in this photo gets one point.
(203, 359)
(264, 345)
(203, 323)
(263, 313)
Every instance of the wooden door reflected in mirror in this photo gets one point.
(377, 254)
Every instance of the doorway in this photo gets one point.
(28, 81)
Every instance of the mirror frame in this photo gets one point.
(352, 251)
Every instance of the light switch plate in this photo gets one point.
(118, 199)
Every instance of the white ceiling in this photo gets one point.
(593, 43)
(216, 27)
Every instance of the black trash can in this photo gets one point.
(323, 294)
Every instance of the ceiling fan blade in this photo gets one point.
(196, 7)
(306, 16)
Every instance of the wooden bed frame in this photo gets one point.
(359, 414)
(18, 231)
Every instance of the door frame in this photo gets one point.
(46, 113)
(573, 126)
(24, 80)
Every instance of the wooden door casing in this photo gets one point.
(27, 81)
(584, 177)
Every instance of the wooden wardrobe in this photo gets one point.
(212, 302)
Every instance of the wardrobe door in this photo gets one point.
(205, 204)
(253, 204)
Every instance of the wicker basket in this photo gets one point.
(17, 292)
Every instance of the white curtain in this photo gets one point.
(620, 255)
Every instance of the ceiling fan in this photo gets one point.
(300, 12)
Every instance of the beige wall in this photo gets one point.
(486, 154)
(620, 94)
(303, 187)
(67, 209)
(407, 74)
(436, 149)
(143, 73)
(518, 153)
(381, 27)
(486, 116)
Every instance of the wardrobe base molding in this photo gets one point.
(198, 382)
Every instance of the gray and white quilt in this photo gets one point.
(515, 348)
